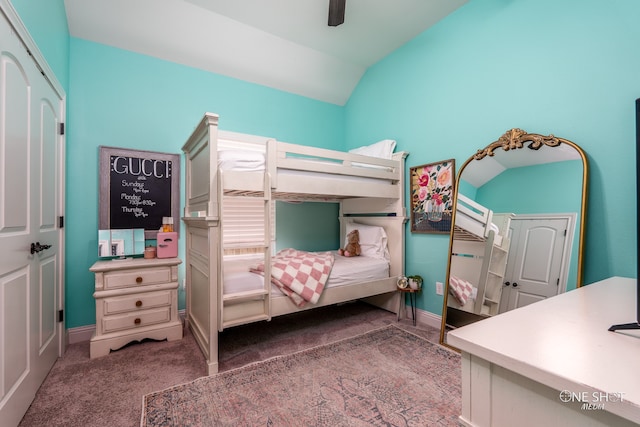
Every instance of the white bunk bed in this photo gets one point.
(370, 192)
(474, 222)
(479, 255)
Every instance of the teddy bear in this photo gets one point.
(353, 245)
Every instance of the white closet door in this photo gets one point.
(536, 260)
(30, 198)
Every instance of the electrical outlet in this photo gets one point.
(439, 288)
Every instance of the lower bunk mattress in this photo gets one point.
(345, 271)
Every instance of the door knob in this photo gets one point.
(515, 285)
(507, 283)
(37, 247)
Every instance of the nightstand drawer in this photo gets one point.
(137, 302)
(135, 299)
(135, 320)
(137, 277)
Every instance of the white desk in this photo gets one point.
(515, 365)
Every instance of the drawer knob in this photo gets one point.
(137, 321)
(138, 303)
(138, 279)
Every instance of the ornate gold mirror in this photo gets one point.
(518, 233)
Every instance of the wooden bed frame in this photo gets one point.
(208, 311)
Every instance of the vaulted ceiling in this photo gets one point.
(283, 44)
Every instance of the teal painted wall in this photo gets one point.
(467, 189)
(549, 188)
(297, 226)
(492, 65)
(119, 98)
(569, 68)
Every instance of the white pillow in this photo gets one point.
(373, 240)
(382, 149)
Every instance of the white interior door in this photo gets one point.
(536, 260)
(30, 203)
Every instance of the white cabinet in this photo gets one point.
(554, 363)
(135, 299)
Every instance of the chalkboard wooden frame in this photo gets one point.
(150, 179)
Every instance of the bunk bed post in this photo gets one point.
(219, 274)
(200, 185)
(267, 242)
(272, 167)
(201, 218)
(401, 208)
(203, 235)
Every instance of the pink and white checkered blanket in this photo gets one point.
(460, 289)
(300, 275)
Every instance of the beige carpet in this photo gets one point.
(107, 391)
(386, 377)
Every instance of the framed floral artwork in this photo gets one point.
(432, 197)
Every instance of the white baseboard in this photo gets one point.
(429, 319)
(84, 333)
(424, 317)
(80, 334)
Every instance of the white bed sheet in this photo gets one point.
(349, 270)
(241, 160)
(345, 271)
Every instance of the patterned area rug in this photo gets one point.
(387, 377)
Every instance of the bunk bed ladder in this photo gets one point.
(490, 283)
(243, 307)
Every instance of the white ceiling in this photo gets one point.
(283, 44)
(478, 173)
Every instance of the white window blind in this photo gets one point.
(243, 225)
(243, 219)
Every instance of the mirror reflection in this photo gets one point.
(120, 243)
(518, 232)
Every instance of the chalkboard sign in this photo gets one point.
(138, 188)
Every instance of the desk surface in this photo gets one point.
(564, 343)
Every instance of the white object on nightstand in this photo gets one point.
(135, 299)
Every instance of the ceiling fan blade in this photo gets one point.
(336, 12)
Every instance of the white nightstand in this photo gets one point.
(135, 299)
